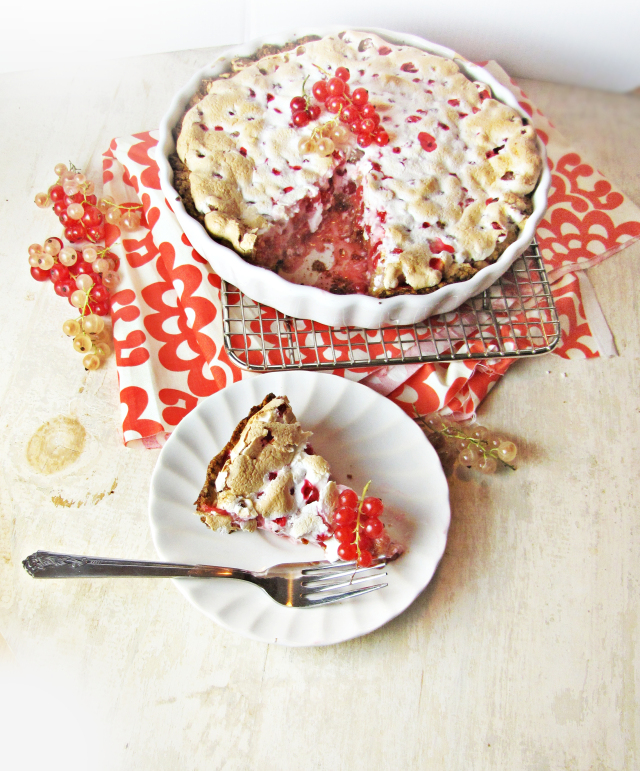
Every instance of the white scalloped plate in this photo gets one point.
(309, 302)
(362, 434)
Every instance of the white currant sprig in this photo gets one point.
(477, 447)
(86, 329)
(126, 216)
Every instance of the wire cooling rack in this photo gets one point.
(515, 317)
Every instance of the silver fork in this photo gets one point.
(295, 585)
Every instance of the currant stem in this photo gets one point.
(318, 130)
(324, 72)
(360, 502)
(307, 99)
(84, 307)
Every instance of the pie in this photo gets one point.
(268, 476)
(436, 190)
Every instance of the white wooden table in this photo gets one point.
(521, 654)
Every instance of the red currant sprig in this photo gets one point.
(358, 526)
(302, 111)
(352, 109)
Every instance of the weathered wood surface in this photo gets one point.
(522, 654)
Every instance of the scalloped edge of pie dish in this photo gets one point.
(308, 302)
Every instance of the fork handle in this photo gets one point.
(47, 564)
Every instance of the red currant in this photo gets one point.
(96, 233)
(64, 288)
(347, 552)
(364, 140)
(369, 110)
(59, 207)
(343, 73)
(74, 233)
(301, 119)
(77, 198)
(59, 272)
(345, 534)
(100, 293)
(427, 142)
(100, 309)
(335, 103)
(374, 527)
(40, 275)
(309, 492)
(83, 267)
(320, 90)
(344, 516)
(298, 103)
(365, 559)
(348, 498)
(313, 111)
(360, 97)
(372, 507)
(56, 193)
(73, 269)
(92, 217)
(367, 126)
(335, 87)
(92, 199)
(364, 542)
(350, 114)
(381, 138)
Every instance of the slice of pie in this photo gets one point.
(268, 476)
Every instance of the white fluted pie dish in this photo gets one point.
(310, 302)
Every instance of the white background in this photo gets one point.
(588, 43)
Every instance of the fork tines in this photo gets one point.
(340, 568)
(325, 580)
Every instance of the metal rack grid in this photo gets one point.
(515, 317)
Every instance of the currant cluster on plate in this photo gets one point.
(85, 273)
(473, 446)
(353, 113)
(357, 526)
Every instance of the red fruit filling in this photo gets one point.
(334, 256)
(309, 492)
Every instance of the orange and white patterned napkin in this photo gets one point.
(167, 313)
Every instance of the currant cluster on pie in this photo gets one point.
(269, 477)
(357, 165)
